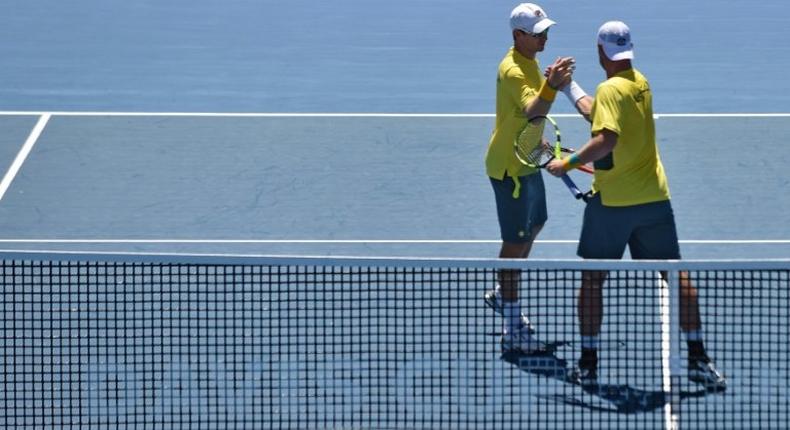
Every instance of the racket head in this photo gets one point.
(535, 144)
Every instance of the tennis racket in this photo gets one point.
(533, 148)
(538, 156)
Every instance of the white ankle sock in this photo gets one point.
(511, 311)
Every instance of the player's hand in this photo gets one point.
(555, 167)
(560, 73)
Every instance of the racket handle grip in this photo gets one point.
(572, 186)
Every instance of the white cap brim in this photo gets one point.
(542, 25)
(617, 53)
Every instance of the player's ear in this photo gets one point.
(601, 56)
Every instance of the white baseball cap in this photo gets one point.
(529, 17)
(615, 38)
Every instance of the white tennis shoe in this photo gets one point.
(522, 341)
(703, 372)
(493, 299)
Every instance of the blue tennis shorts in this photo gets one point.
(518, 216)
(647, 229)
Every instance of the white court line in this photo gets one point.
(721, 115)
(265, 114)
(669, 309)
(361, 114)
(358, 241)
(23, 153)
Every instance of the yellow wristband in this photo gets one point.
(547, 92)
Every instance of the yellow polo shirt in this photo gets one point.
(518, 82)
(632, 173)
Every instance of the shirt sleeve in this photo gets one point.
(517, 88)
(606, 110)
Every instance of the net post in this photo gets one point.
(670, 347)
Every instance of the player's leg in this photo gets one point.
(657, 239)
(604, 235)
(590, 312)
(520, 220)
(701, 369)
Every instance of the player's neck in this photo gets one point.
(614, 67)
(525, 52)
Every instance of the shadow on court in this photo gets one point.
(624, 398)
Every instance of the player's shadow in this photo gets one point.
(625, 399)
(548, 365)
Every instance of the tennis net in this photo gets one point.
(127, 341)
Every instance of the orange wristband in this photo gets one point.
(547, 93)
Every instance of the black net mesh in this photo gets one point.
(275, 345)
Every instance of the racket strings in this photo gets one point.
(531, 144)
(540, 154)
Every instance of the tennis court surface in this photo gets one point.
(121, 325)
(132, 299)
(347, 184)
(155, 260)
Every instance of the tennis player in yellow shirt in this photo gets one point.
(522, 92)
(630, 205)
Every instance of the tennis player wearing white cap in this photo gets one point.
(631, 204)
(521, 92)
